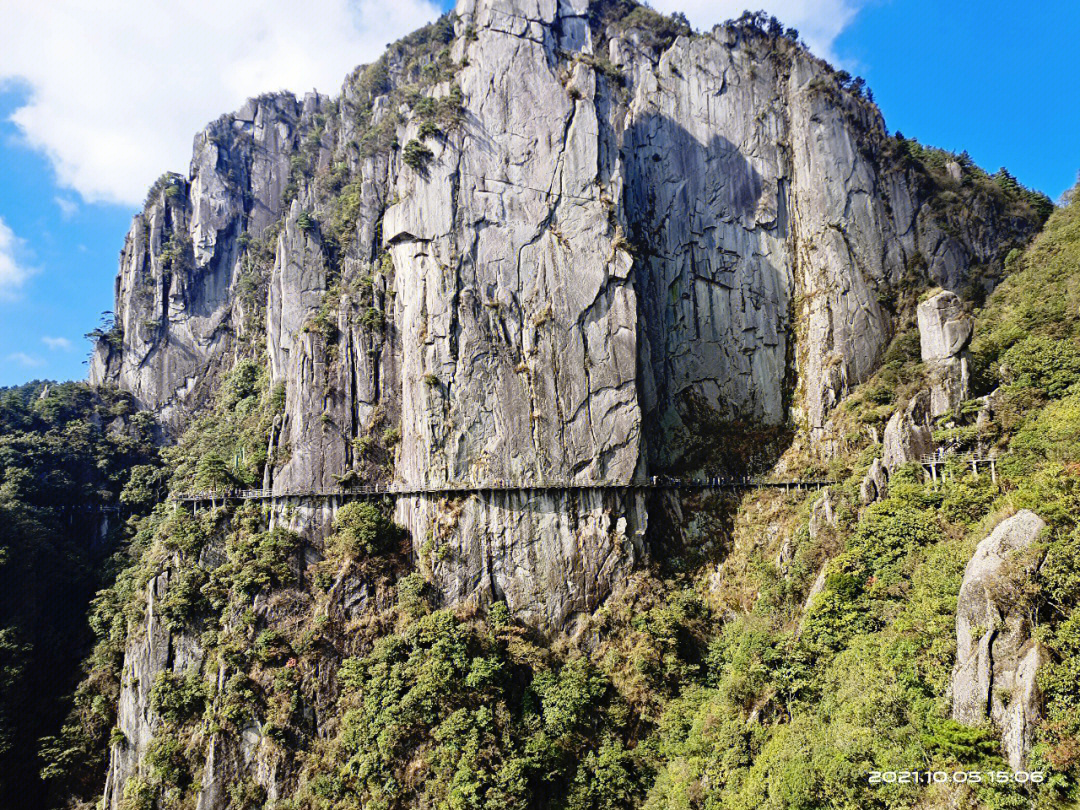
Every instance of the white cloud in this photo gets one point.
(68, 207)
(24, 359)
(12, 273)
(57, 343)
(117, 90)
(819, 21)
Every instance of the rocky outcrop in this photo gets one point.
(875, 484)
(515, 305)
(907, 437)
(800, 205)
(944, 331)
(553, 557)
(996, 656)
(179, 311)
(1024, 709)
(151, 650)
(822, 515)
(904, 441)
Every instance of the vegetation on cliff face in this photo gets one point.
(65, 453)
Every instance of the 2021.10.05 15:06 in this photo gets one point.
(959, 777)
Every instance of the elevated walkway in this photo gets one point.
(453, 490)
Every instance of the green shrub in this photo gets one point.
(567, 697)
(609, 778)
(271, 647)
(871, 570)
(184, 601)
(259, 562)
(417, 156)
(137, 795)
(498, 615)
(428, 129)
(241, 702)
(242, 382)
(178, 698)
(182, 531)
(1042, 362)
(144, 486)
(486, 726)
(658, 31)
(1052, 433)
(166, 762)
(212, 473)
(361, 529)
(961, 743)
(411, 592)
(372, 318)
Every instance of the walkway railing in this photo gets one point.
(935, 463)
(403, 490)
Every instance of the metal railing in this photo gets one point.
(405, 490)
(935, 463)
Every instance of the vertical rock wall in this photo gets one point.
(601, 241)
(590, 243)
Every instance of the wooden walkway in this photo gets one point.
(455, 490)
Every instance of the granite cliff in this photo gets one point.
(537, 242)
(556, 276)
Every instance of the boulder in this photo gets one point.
(996, 659)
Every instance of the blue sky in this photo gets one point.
(77, 148)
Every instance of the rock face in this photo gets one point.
(756, 195)
(822, 515)
(563, 284)
(907, 437)
(944, 332)
(178, 307)
(530, 245)
(154, 650)
(559, 278)
(996, 658)
(552, 557)
(875, 484)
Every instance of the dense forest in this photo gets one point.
(75, 466)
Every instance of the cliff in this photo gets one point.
(536, 242)
(542, 244)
